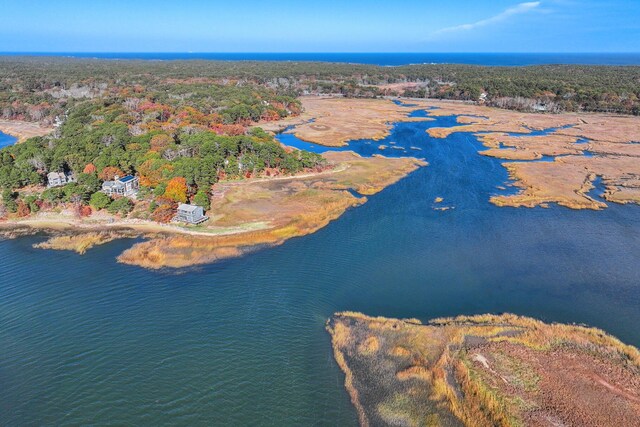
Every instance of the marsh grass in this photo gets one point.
(473, 370)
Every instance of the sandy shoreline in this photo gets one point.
(245, 214)
(23, 130)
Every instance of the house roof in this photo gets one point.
(187, 208)
(53, 175)
(111, 184)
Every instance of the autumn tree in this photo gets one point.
(23, 209)
(176, 189)
(165, 210)
(110, 172)
(160, 142)
(151, 171)
(89, 169)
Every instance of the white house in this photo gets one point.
(126, 186)
(58, 179)
(191, 214)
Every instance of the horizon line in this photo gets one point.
(318, 52)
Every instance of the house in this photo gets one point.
(126, 186)
(191, 214)
(58, 179)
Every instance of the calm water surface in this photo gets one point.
(7, 139)
(242, 342)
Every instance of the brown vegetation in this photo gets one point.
(81, 243)
(338, 120)
(244, 214)
(567, 180)
(612, 141)
(485, 371)
(269, 211)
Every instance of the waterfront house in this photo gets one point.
(58, 179)
(126, 186)
(191, 214)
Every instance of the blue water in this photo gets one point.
(6, 140)
(386, 59)
(85, 340)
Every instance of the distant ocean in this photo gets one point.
(385, 59)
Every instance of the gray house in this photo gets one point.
(58, 179)
(191, 214)
(125, 187)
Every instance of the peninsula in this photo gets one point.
(104, 157)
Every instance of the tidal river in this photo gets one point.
(85, 340)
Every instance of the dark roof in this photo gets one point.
(126, 178)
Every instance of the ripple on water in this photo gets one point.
(84, 338)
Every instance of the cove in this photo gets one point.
(242, 341)
(6, 140)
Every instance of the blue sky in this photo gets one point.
(327, 26)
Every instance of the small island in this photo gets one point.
(484, 370)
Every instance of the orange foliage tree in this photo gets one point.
(160, 142)
(176, 189)
(82, 211)
(110, 172)
(270, 115)
(165, 211)
(23, 209)
(90, 168)
(151, 171)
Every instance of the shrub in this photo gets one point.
(120, 206)
(33, 202)
(99, 201)
(202, 199)
(9, 200)
(22, 209)
(165, 211)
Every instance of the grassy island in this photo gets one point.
(484, 371)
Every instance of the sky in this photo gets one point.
(319, 26)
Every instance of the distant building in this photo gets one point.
(126, 186)
(58, 179)
(191, 214)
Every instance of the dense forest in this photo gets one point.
(40, 88)
(181, 126)
(178, 142)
